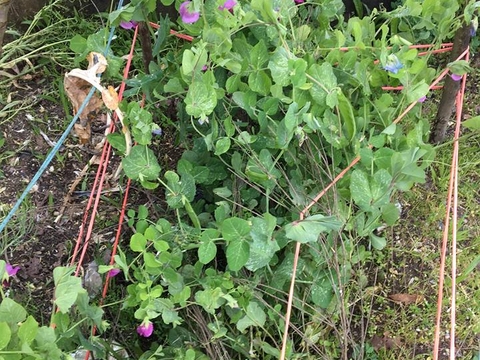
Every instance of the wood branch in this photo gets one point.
(146, 42)
(450, 88)
(4, 8)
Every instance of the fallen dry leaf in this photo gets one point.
(406, 299)
(386, 341)
(77, 90)
(83, 132)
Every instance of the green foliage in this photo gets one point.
(273, 102)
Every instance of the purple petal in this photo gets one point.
(12, 270)
(145, 329)
(127, 25)
(422, 99)
(188, 16)
(299, 1)
(456, 77)
(114, 272)
(227, 5)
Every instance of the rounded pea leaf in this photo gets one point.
(141, 164)
(255, 316)
(235, 229)
(322, 292)
(138, 242)
(201, 99)
(222, 145)
(377, 242)
(28, 330)
(6, 335)
(11, 312)
(207, 252)
(238, 253)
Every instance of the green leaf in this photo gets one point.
(45, 336)
(258, 55)
(222, 145)
(238, 252)
(173, 86)
(377, 242)
(11, 312)
(255, 316)
(347, 116)
(78, 44)
(234, 229)
(218, 42)
(118, 142)
(309, 230)
(27, 331)
(390, 214)
(142, 212)
(179, 190)
(138, 242)
(322, 292)
(192, 61)
(263, 247)
(459, 67)
(360, 189)
(6, 335)
(210, 299)
(417, 91)
(473, 123)
(201, 99)
(141, 164)
(324, 82)
(162, 34)
(171, 317)
(472, 266)
(207, 252)
(381, 187)
(67, 288)
(278, 66)
(260, 82)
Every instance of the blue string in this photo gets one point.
(59, 143)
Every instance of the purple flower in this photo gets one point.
(393, 64)
(145, 329)
(187, 14)
(114, 272)
(299, 1)
(456, 77)
(12, 270)
(127, 25)
(422, 99)
(227, 5)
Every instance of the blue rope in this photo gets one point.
(59, 143)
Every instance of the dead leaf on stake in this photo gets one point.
(95, 58)
(77, 90)
(406, 299)
(110, 98)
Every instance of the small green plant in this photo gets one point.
(23, 337)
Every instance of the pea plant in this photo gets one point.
(277, 98)
(272, 100)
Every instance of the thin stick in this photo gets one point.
(443, 252)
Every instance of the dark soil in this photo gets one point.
(40, 243)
